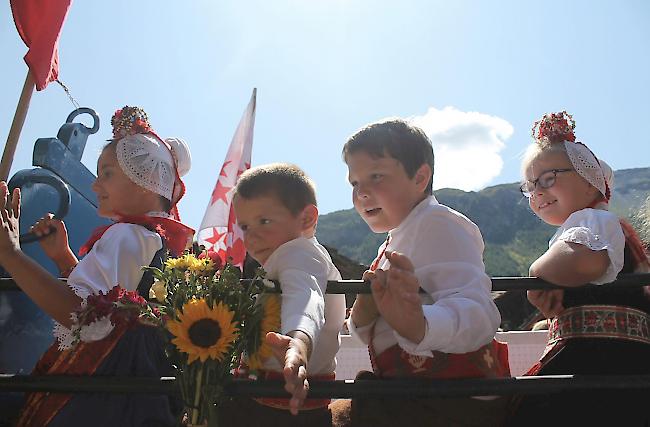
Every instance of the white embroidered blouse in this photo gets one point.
(599, 230)
(116, 258)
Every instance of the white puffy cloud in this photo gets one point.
(466, 146)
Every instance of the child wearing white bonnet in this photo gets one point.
(138, 185)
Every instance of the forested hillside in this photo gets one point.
(513, 235)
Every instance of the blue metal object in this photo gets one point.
(25, 178)
(59, 183)
(62, 155)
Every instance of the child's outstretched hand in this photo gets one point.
(293, 353)
(395, 292)
(10, 215)
(548, 302)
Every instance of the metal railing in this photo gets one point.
(355, 388)
(406, 388)
(498, 284)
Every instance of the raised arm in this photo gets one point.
(50, 294)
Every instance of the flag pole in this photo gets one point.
(16, 126)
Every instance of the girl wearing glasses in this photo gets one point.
(594, 330)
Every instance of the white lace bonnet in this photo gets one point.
(149, 161)
(556, 128)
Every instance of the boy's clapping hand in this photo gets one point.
(396, 294)
(293, 352)
(364, 311)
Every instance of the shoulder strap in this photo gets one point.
(147, 280)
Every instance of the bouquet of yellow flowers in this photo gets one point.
(210, 318)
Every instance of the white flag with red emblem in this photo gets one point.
(218, 231)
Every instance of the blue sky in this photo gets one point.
(473, 74)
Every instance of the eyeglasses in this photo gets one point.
(545, 180)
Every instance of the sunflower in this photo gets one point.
(203, 332)
(270, 322)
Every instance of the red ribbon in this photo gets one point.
(176, 235)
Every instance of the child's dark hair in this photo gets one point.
(406, 143)
(287, 182)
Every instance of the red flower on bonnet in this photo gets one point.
(129, 121)
(555, 127)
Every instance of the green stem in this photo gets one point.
(197, 396)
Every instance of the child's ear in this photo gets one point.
(309, 217)
(422, 177)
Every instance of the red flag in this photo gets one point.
(218, 230)
(39, 24)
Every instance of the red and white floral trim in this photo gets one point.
(600, 321)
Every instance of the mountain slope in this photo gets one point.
(513, 235)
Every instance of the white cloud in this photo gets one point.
(466, 146)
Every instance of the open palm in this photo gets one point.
(10, 216)
(396, 294)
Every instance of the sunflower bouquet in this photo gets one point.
(210, 318)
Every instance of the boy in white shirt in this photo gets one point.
(445, 332)
(275, 206)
